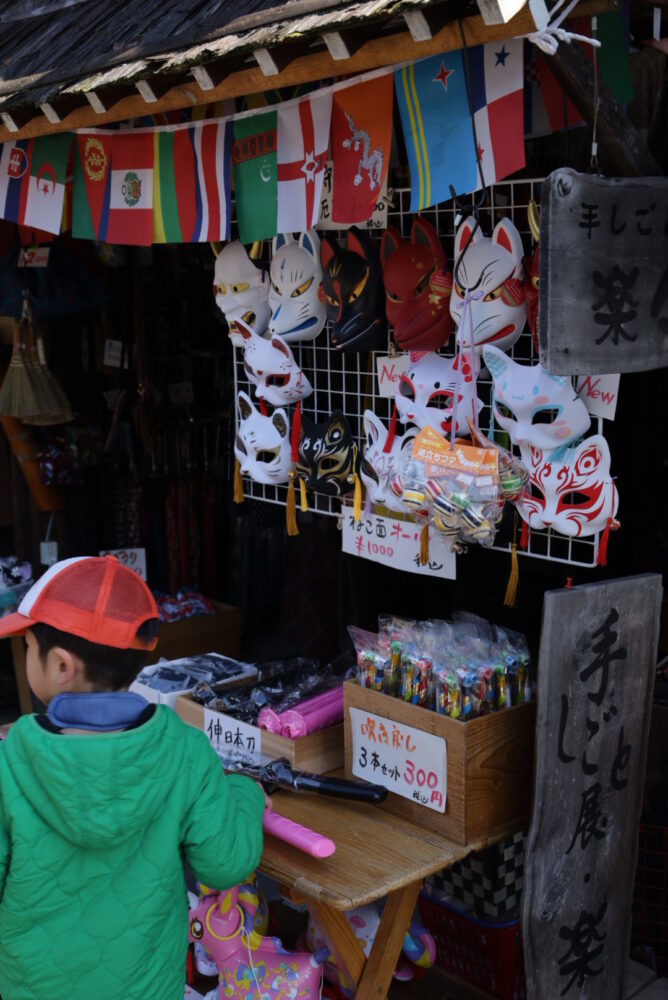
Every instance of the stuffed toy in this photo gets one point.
(378, 467)
(297, 310)
(270, 366)
(262, 444)
(354, 293)
(417, 288)
(418, 948)
(426, 394)
(535, 408)
(241, 289)
(490, 270)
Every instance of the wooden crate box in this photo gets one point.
(318, 752)
(489, 766)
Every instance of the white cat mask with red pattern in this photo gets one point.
(574, 495)
(426, 394)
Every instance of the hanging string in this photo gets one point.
(594, 143)
(548, 38)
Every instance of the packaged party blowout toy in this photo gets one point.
(102, 796)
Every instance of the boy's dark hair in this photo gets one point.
(106, 667)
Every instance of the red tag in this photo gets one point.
(441, 284)
(321, 294)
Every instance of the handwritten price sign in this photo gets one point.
(404, 760)
(397, 544)
(228, 735)
(132, 558)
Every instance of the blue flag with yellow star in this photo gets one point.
(436, 122)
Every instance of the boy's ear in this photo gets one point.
(65, 665)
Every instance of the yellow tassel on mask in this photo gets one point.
(424, 546)
(291, 509)
(357, 502)
(510, 599)
(238, 494)
(303, 502)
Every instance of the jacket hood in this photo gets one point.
(97, 789)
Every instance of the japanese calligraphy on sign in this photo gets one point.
(397, 544)
(597, 656)
(132, 558)
(405, 760)
(603, 273)
(228, 735)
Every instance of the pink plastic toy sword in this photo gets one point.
(299, 836)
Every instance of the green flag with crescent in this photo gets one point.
(254, 170)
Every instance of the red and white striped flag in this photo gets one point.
(303, 138)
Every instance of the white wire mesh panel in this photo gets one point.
(347, 381)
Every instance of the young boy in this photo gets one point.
(101, 800)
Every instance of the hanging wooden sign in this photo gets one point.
(603, 295)
(597, 657)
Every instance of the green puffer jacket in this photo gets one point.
(93, 830)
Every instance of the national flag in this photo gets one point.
(32, 181)
(546, 107)
(254, 173)
(191, 183)
(303, 138)
(361, 137)
(113, 188)
(496, 72)
(438, 134)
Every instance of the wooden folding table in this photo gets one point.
(377, 854)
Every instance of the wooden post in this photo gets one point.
(616, 135)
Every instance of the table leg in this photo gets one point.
(340, 938)
(395, 921)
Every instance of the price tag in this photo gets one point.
(378, 218)
(228, 735)
(389, 369)
(404, 760)
(134, 559)
(36, 257)
(397, 544)
(113, 353)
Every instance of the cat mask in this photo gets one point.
(327, 455)
(297, 312)
(262, 444)
(354, 294)
(417, 286)
(272, 369)
(426, 393)
(535, 408)
(241, 290)
(491, 270)
(574, 495)
(378, 468)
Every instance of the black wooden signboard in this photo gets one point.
(603, 295)
(597, 658)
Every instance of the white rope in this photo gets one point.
(548, 38)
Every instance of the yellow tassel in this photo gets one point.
(424, 546)
(303, 502)
(291, 508)
(238, 484)
(357, 502)
(510, 599)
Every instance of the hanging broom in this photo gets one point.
(17, 395)
(46, 401)
(58, 409)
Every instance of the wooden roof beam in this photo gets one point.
(244, 79)
(616, 135)
(343, 44)
(424, 24)
(273, 61)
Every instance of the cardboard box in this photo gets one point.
(489, 766)
(169, 697)
(217, 633)
(318, 752)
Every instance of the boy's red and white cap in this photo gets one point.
(97, 599)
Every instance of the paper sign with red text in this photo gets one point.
(599, 393)
(397, 544)
(404, 760)
(389, 369)
(440, 457)
(132, 558)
